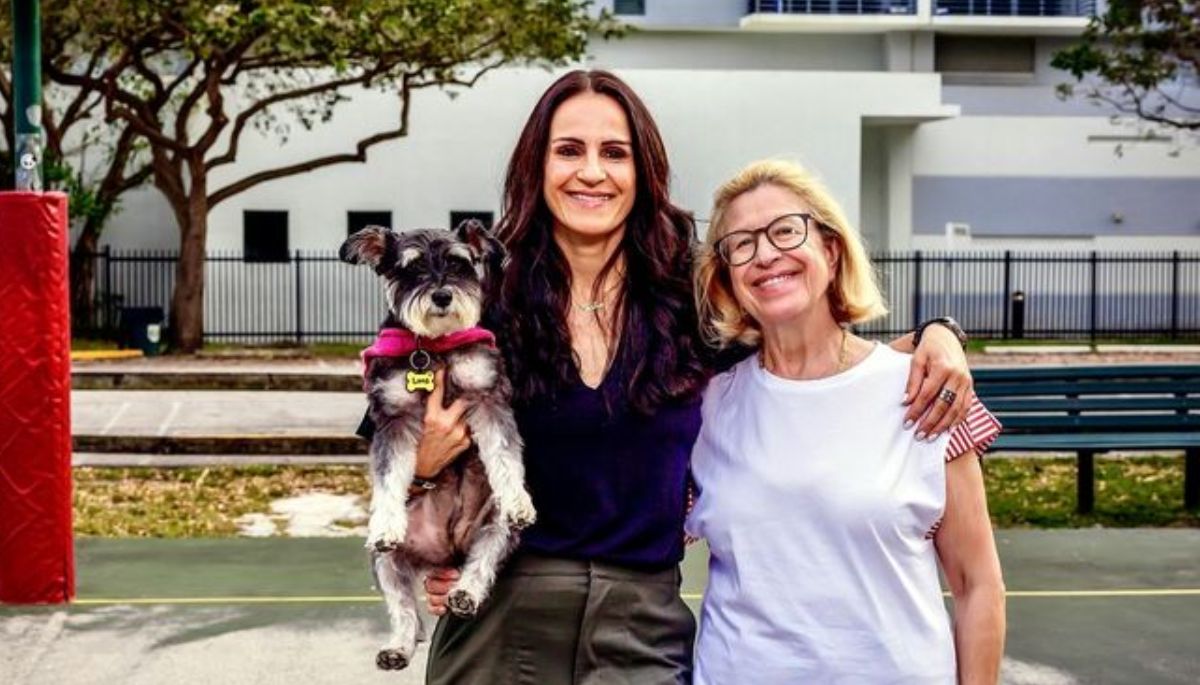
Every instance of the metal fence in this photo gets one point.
(314, 297)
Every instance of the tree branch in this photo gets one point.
(360, 155)
(244, 118)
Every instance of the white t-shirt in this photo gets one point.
(819, 510)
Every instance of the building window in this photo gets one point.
(264, 236)
(984, 56)
(629, 7)
(458, 217)
(357, 221)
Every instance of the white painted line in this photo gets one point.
(358, 599)
(1037, 349)
(1150, 349)
(115, 417)
(175, 407)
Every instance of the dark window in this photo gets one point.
(983, 55)
(629, 7)
(264, 236)
(357, 221)
(457, 218)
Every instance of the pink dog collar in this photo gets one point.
(399, 342)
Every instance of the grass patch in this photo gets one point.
(1130, 492)
(287, 350)
(92, 344)
(194, 502)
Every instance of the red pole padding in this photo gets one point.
(37, 557)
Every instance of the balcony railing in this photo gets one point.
(866, 7)
(1015, 8)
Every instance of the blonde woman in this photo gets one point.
(826, 517)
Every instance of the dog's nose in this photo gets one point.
(442, 298)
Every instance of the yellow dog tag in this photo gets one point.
(419, 380)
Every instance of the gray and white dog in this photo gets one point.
(436, 284)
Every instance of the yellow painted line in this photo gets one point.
(364, 599)
(1163, 592)
(92, 355)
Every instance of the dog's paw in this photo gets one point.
(521, 514)
(391, 660)
(382, 538)
(382, 546)
(462, 603)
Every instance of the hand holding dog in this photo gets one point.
(444, 434)
(438, 584)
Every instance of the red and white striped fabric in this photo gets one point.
(976, 433)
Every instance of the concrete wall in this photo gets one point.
(1067, 170)
(456, 155)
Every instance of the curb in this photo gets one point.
(303, 382)
(133, 460)
(199, 445)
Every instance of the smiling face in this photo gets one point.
(777, 287)
(590, 178)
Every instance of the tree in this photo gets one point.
(1142, 57)
(190, 76)
(71, 129)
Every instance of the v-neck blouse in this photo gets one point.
(608, 483)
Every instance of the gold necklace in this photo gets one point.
(843, 355)
(595, 305)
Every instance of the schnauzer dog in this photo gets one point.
(468, 517)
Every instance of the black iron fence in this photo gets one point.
(314, 297)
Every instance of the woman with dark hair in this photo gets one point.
(596, 322)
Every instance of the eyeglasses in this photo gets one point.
(784, 233)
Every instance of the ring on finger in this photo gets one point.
(947, 395)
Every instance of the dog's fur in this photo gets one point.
(436, 283)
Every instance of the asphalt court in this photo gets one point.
(1084, 606)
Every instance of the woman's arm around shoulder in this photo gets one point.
(939, 364)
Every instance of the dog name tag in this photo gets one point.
(420, 376)
(419, 380)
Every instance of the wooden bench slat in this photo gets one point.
(1100, 423)
(986, 390)
(1095, 441)
(1173, 372)
(1087, 404)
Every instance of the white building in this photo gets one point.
(935, 122)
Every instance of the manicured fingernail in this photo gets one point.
(934, 437)
(908, 424)
(921, 435)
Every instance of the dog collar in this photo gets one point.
(399, 342)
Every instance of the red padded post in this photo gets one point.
(37, 557)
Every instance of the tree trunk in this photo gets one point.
(187, 301)
(83, 280)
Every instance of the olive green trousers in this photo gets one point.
(561, 622)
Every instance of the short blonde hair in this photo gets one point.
(854, 294)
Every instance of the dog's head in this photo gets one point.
(436, 279)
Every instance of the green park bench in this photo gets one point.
(1092, 409)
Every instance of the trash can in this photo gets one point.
(142, 328)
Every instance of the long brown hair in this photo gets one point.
(658, 358)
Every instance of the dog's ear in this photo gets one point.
(487, 249)
(367, 246)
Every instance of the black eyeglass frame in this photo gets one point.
(765, 230)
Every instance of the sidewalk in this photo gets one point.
(1085, 606)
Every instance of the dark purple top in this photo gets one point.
(608, 485)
